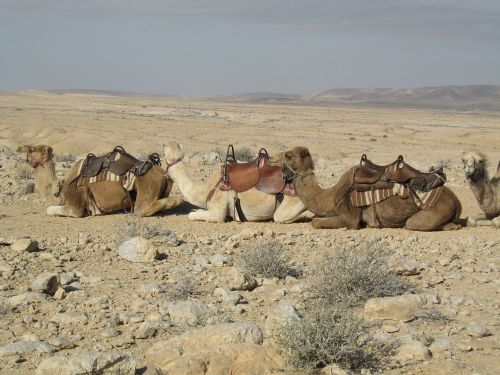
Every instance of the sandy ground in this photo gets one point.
(337, 137)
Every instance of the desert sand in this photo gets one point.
(460, 269)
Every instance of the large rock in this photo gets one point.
(88, 362)
(239, 280)
(403, 308)
(25, 244)
(411, 352)
(26, 299)
(231, 348)
(70, 318)
(189, 313)
(138, 249)
(284, 313)
(26, 347)
(46, 282)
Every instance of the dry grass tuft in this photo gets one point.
(351, 276)
(266, 259)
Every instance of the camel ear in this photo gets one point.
(181, 146)
(164, 148)
(24, 149)
(48, 150)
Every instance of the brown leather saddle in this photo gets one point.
(258, 173)
(118, 162)
(370, 176)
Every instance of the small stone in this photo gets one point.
(46, 282)
(61, 343)
(145, 331)
(228, 297)
(239, 280)
(26, 347)
(110, 333)
(88, 363)
(60, 294)
(220, 260)
(412, 352)
(389, 328)
(25, 244)
(187, 312)
(441, 347)
(403, 308)
(477, 330)
(138, 249)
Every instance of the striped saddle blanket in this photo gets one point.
(127, 180)
(423, 199)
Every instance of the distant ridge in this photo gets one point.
(485, 97)
(470, 97)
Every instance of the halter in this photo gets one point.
(168, 165)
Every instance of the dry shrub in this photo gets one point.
(351, 276)
(244, 154)
(25, 172)
(185, 288)
(266, 259)
(65, 158)
(134, 227)
(328, 336)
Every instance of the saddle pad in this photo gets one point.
(127, 179)
(423, 199)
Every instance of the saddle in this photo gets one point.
(118, 162)
(370, 176)
(258, 173)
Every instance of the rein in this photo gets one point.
(168, 165)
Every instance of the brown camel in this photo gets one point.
(148, 196)
(336, 212)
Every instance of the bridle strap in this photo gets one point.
(168, 165)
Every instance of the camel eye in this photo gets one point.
(287, 155)
(480, 162)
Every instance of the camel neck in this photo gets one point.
(485, 196)
(46, 181)
(315, 198)
(193, 191)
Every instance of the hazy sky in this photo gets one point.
(198, 47)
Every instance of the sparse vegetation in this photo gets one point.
(266, 259)
(350, 276)
(24, 172)
(65, 158)
(445, 164)
(133, 227)
(327, 336)
(185, 288)
(244, 154)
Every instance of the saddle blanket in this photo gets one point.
(423, 200)
(127, 180)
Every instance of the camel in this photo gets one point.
(40, 158)
(336, 212)
(151, 190)
(256, 205)
(486, 191)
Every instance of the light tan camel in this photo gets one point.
(336, 212)
(486, 191)
(151, 190)
(46, 183)
(256, 206)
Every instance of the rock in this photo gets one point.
(403, 308)
(138, 249)
(60, 294)
(46, 282)
(220, 260)
(477, 330)
(232, 348)
(70, 318)
(110, 332)
(284, 313)
(187, 312)
(167, 238)
(26, 347)
(145, 331)
(61, 343)
(26, 299)
(441, 347)
(228, 297)
(334, 370)
(239, 280)
(25, 244)
(88, 363)
(6, 268)
(389, 328)
(412, 352)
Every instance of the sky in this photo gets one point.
(217, 47)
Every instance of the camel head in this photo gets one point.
(293, 162)
(172, 153)
(38, 155)
(474, 165)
